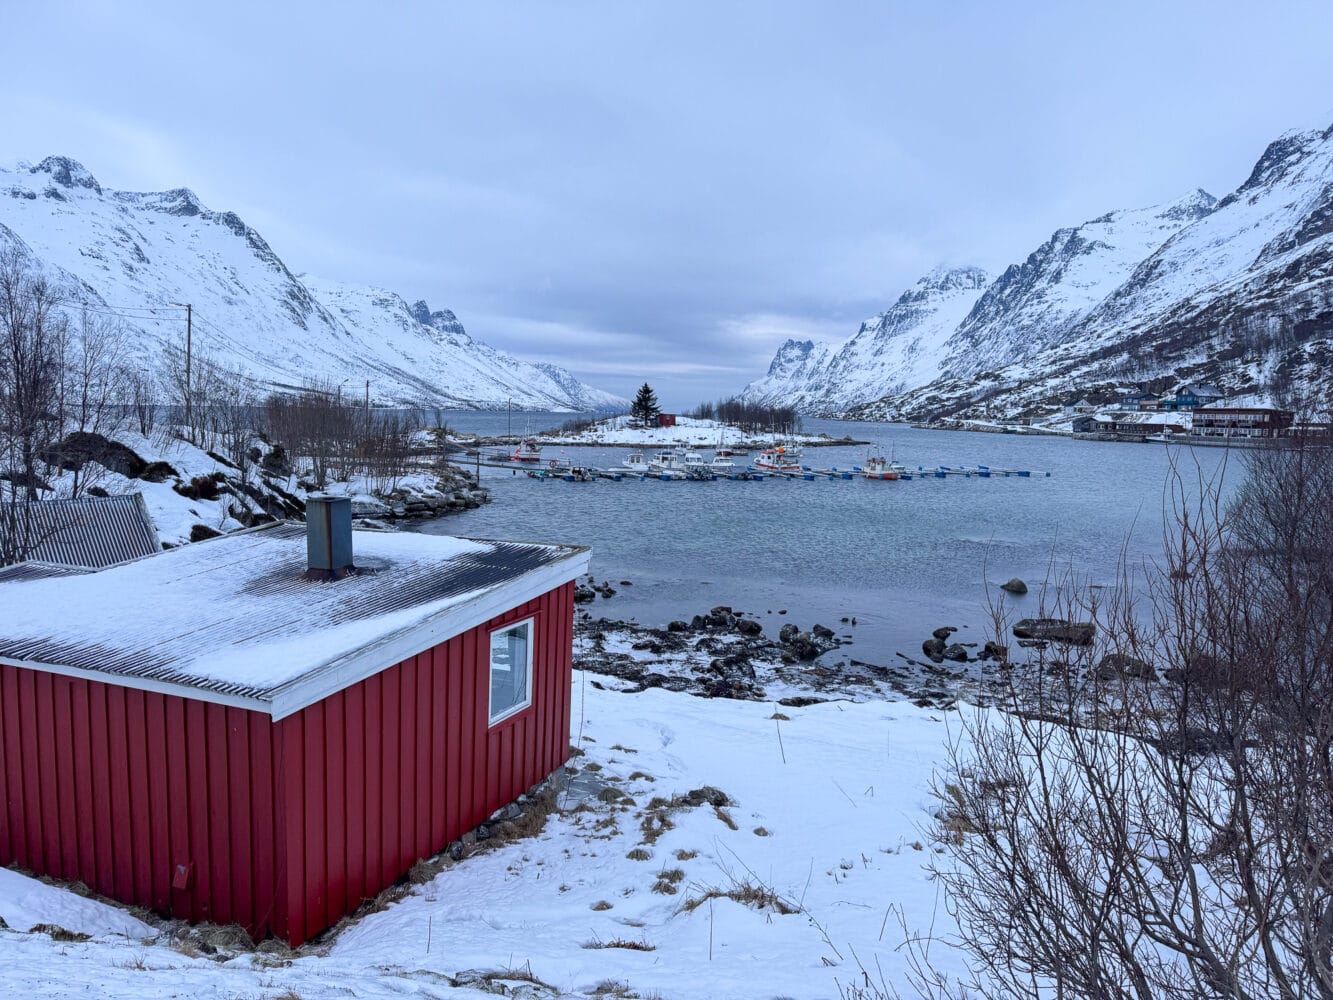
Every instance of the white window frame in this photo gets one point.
(526, 702)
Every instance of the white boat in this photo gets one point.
(722, 464)
(694, 462)
(528, 450)
(779, 459)
(634, 462)
(668, 463)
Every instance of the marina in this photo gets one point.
(892, 553)
(674, 467)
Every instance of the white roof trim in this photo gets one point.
(357, 665)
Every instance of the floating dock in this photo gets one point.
(587, 474)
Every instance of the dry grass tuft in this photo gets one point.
(601, 905)
(725, 817)
(640, 776)
(653, 824)
(672, 875)
(58, 933)
(423, 871)
(639, 854)
(626, 943)
(684, 855)
(748, 893)
(663, 888)
(761, 831)
(780, 717)
(615, 989)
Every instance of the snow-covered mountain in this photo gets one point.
(1237, 292)
(131, 255)
(1034, 304)
(1241, 297)
(901, 348)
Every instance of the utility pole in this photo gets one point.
(367, 402)
(189, 338)
(511, 417)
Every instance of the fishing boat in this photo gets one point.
(634, 462)
(668, 460)
(879, 467)
(780, 459)
(528, 450)
(722, 463)
(693, 462)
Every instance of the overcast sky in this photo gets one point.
(660, 191)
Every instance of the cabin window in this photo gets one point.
(511, 670)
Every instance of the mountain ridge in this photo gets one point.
(146, 250)
(1236, 291)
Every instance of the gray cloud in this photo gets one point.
(661, 190)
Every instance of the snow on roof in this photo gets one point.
(233, 619)
(1148, 418)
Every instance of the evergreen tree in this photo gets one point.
(645, 406)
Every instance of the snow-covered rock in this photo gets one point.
(132, 255)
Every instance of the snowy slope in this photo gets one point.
(1034, 304)
(134, 254)
(831, 807)
(1242, 297)
(415, 341)
(901, 348)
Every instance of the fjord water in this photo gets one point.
(902, 558)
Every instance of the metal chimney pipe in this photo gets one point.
(328, 537)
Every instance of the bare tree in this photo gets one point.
(1112, 835)
(317, 426)
(143, 397)
(32, 331)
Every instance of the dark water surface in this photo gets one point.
(902, 557)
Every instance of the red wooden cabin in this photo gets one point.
(249, 730)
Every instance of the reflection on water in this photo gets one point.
(901, 557)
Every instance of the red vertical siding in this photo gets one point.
(407, 762)
(286, 826)
(113, 786)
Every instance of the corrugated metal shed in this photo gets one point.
(362, 737)
(92, 531)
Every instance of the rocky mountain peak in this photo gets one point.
(945, 279)
(1190, 208)
(1282, 156)
(443, 320)
(67, 173)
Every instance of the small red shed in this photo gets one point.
(666, 420)
(261, 730)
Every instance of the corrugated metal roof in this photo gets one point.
(39, 571)
(92, 531)
(235, 615)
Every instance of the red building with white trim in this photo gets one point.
(251, 730)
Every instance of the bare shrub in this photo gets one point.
(1108, 836)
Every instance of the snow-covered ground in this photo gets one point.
(785, 892)
(176, 515)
